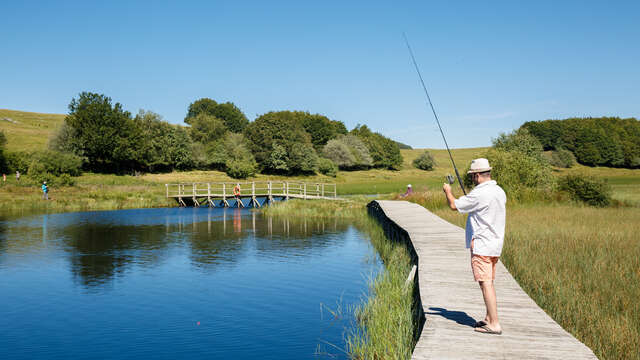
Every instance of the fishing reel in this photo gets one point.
(450, 179)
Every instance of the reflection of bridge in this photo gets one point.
(223, 194)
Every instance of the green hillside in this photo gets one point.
(28, 131)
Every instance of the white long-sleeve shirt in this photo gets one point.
(485, 205)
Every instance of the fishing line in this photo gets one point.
(424, 87)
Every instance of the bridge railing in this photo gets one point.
(254, 189)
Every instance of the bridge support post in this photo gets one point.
(224, 196)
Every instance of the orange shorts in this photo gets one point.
(484, 267)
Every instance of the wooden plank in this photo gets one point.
(452, 301)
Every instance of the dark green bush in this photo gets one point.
(327, 167)
(425, 161)
(55, 163)
(241, 168)
(562, 158)
(18, 161)
(588, 189)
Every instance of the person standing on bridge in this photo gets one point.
(484, 232)
(236, 191)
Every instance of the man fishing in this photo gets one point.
(484, 234)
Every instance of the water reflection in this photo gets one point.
(101, 246)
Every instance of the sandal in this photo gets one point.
(487, 330)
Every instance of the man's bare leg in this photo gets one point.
(490, 301)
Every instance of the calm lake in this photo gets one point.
(178, 284)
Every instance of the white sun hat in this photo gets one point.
(409, 185)
(479, 165)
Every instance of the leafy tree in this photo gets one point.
(206, 128)
(239, 162)
(103, 133)
(384, 151)
(161, 146)
(520, 140)
(302, 158)
(348, 152)
(280, 144)
(340, 154)
(62, 140)
(516, 171)
(320, 128)
(278, 159)
(200, 106)
(232, 117)
(518, 164)
(425, 161)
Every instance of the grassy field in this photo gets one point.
(580, 264)
(28, 131)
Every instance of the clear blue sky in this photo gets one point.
(489, 66)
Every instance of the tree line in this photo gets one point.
(604, 141)
(100, 136)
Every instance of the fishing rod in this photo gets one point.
(435, 115)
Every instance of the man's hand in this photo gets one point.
(449, 195)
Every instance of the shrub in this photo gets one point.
(18, 161)
(425, 161)
(327, 167)
(516, 171)
(562, 158)
(241, 168)
(55, 163)
(587, 189)
(64, 180)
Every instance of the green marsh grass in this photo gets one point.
(385, 323)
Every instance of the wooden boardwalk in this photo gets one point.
(222, 194)
(452, 301)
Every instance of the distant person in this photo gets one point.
(17, 175)
(236, 192)
(45, 191)
(484, 232)
(4, 178)
(408, 192)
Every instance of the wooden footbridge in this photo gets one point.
(452, 302)
(251, 194)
